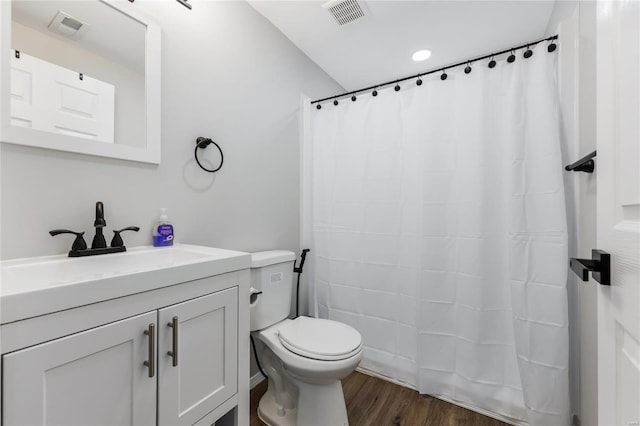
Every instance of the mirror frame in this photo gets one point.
(37, 138)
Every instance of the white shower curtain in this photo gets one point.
(438, 230)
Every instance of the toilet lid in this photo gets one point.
(320, 338)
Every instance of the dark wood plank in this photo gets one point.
(418, 412)
(394, 409)
(375, 402)
(361, 400)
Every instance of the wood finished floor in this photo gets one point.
(374, 402)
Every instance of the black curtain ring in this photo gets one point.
(203, 143)
(528, 53)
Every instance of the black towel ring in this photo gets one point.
(202, 143)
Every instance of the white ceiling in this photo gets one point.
(378, 47)
(111, 34)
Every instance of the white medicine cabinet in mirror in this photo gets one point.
(80, 76)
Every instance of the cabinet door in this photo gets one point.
(89, 378)
(205, 374)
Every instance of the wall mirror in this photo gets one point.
(80, 76)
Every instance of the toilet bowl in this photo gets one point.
(304, 358)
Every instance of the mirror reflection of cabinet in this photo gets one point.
(116, 44)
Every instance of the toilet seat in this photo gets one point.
(319, 339)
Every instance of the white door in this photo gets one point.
(96, 377)
(48, 97)
(618, 166)
(204, 338)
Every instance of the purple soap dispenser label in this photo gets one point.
(164, 236)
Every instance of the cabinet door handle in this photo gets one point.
(151, 363)
(173, 353)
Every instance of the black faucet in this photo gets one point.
(99, 244)
(99, 223)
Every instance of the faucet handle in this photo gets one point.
(117, 239)
(78, 243)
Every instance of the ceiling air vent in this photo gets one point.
(67, 25)
(344, 11)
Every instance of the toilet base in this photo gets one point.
(268, 412)
(317, 405)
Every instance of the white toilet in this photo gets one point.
(304, 358)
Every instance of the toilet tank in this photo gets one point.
(272, 274)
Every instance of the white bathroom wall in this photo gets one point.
(228, 74)
(575, 23)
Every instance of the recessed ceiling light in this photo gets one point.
(421, 55)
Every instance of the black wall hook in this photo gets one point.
(202, 143)
(599, 265)
(585, 164)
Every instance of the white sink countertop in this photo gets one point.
(37, 286)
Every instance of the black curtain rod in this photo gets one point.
(468, 61)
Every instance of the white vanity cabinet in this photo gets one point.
(173, 355)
